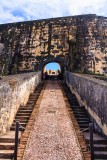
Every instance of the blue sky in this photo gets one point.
(23, 10)
(52, 66)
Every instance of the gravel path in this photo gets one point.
(52, 137)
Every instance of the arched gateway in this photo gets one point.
(60, 61)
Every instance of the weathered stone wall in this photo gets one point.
(27, 44)
(24, 45)
(93, 44)
(91, 93)
(14, 92)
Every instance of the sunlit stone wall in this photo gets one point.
(25, 45)
(14, 92)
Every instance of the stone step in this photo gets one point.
(36, 93)
(86, 130)
(99, 147)
(80, 115)
(79, 109)
(97, 138)
(82, 119)
(69, 95)
(80, 112)
(34, 96)
(73, 99)
(23, 114)
(83, 122)
(33, 99)
(27, 108)
(7, 140)
(7, 154)
(24, 111)
(12, 128)
(84, 125)
(100, 155)
(20, 121)
(98, 141)
(76, 107)
(22, 124)
(98, 159)
(74, 103)
(7, 146)
(9, 137)
(22, 117)
(5, 159)
(30, 102)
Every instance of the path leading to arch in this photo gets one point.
(53, 136)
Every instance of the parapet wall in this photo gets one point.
(14, 92)
(91, 93)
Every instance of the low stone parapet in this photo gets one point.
(91, 93)
(14, 92)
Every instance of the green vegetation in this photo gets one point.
(95, 75)
(74, 57)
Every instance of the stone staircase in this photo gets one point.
(24, 112)
(7, 141)
(7, 145)
(100, 145)
(83, 119)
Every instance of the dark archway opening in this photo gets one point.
(52, 70)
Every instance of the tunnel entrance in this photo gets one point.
(52, 70)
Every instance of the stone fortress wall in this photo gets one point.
(14, 92)
(91, 94)
(24, 45)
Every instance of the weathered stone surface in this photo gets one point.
(92, 93)
(15, 91)
(28, 44)
(52, 137)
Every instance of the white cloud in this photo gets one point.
(90, 6)
(21, 10)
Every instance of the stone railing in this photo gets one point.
(91, 93)
(14, 92)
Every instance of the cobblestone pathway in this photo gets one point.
(52, 137)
